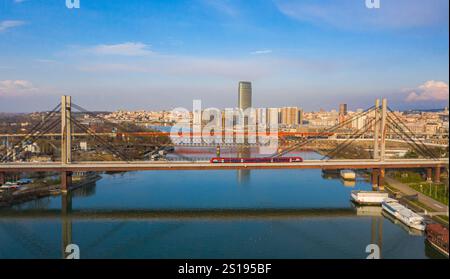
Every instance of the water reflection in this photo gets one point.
(335, 175)
(205, 214)
(67, 215)
(348, 183)
(87, 190)
(243, 176)
(409, 230)
(340, 221)
(336, 233)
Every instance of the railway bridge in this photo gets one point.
(379, 121)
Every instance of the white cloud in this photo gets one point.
(16, 87)
(429, 91)
(124, 49)
(223, 6)
(262, 51)
(7, 24)
(353, 14)
(113, 67)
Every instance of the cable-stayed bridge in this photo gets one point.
(379, 122)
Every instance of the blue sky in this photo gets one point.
(113, 54)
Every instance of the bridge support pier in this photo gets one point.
(374, 179)
(437, 174)
(66, 181)
(381, 175)
(2, 178)
(429, 174)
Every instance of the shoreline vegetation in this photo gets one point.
(415, 181)
(402, 185)
(42, 188)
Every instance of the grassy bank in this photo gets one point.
(437, 191)
(416, 205)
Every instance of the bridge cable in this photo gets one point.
(33, 139)
(103, 142)
(426, 152)
(351, 139)
(402, 136)
(409, 130)
(124, 128)
(397, 129)
(329, 130)
(422, 147)
(35, 129)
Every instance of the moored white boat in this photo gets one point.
(368, 197)
(348, 174)
(405, 215)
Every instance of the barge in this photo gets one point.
(437, 237)
(403, 214)
(368, 197)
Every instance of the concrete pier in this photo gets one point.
(382, 173)
(437, 174)
(2, 178)
(374, 179)
(66, 181)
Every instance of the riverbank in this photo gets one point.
(422, 204)
(42, 191)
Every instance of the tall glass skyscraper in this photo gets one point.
(245, 95)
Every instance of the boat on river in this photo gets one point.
(437, 236)
(404, 214)
(348, 175)
(397, 222)
(368, 197)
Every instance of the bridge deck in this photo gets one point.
(206, 165)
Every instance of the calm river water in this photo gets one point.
(207, 214)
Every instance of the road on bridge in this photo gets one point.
(206, 165)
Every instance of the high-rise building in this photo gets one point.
(343, 109)
(342, 112)
(300, 116)
(245, 95)
(290, 116)
(273, 118)
(261, 116)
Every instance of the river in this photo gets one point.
(207, 214)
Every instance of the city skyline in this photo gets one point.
(224, 129)
(110, 56)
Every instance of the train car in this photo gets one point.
(218, 160)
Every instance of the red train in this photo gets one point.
(218, 160)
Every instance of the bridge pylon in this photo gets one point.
(376, 145)
(383, 129)
(380, 132)
(66, 129)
